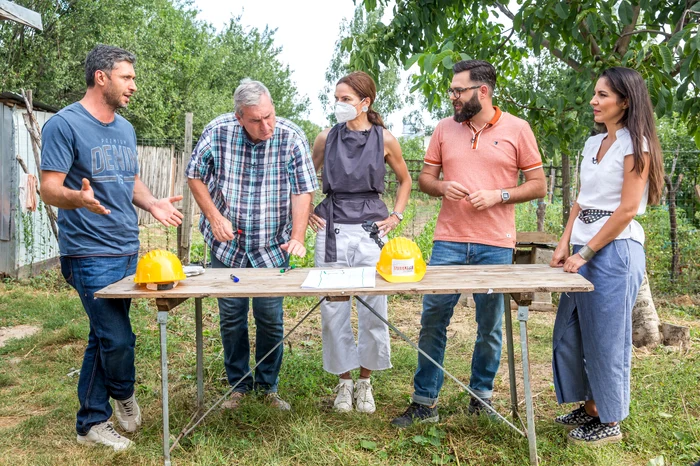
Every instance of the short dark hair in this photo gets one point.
(480, 71)
(104, 58)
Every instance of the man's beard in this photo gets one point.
(469, 109)
(113, 98)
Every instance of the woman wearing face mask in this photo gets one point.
(353, 155)
(622, 170)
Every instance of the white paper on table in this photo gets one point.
(356, 277)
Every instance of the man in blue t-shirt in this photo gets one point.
(90, 171)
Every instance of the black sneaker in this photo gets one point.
(416, 413)
(595, 433)
(476, 408)
(575, 418)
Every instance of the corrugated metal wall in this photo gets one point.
(7, 246)
(34, 239)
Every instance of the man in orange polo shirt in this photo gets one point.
(480, 152)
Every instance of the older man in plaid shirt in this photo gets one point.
(252, 175)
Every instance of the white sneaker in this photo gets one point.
(104, 434)
(364, 401)
(128, 414)
(343, 402)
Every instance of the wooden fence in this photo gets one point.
(162, 169)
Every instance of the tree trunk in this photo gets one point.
(541, 212)
(565, 188)
(672, 189)
(675, 335)
(645, 320)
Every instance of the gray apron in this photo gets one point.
(353, 179)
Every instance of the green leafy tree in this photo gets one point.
(657, 37)
(386, 76)
(183, 64)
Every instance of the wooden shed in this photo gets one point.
(27, 244)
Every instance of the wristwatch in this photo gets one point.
(505, 196)
(399, 215)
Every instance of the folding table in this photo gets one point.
(521, 281)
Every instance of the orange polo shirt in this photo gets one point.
(481, 158)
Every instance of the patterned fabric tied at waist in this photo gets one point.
(593, 215)
(331, 251)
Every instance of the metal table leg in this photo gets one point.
(511, 357)
(523, 315)
(162, 322)
(438, 365)
(200, 352)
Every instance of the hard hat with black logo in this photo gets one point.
(401, 261)
(159, 270)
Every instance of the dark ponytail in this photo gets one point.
(375, 118)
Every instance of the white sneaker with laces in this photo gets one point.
(128, 414)
(364, 401)
(343, 401)
(104, 434)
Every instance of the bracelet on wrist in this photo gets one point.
(587, 253)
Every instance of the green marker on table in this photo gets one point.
(288, 268)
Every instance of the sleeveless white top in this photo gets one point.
(601, 187)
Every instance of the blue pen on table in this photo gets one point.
(235, 278)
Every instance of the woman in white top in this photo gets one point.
(621, 171)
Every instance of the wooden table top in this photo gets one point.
(515, 278)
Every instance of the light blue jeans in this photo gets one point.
(592, 338)
(437, 312)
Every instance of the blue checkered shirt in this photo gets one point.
(251, 185)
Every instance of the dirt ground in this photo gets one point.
(19, 331)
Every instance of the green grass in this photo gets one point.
(38, 398)
(38, 401)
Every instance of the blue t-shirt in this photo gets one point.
(77, 144)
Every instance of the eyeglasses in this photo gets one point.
(456, 92)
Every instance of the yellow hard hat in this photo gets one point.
(401, 261)
(159, 270)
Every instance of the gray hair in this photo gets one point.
(248, 94)
(104, 58)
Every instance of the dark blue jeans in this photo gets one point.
(269, 330)
(108, 364)
(437, 312)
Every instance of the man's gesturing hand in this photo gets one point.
(87, 198)
(165, 212)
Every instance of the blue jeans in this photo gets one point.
(108, 364)
(437, 312)
(269, 330)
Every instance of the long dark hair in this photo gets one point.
(638, 118)
(364, 87)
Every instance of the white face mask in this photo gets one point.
(345, 112)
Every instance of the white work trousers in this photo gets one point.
(340, 352)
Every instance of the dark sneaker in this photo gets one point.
(476, 408)
(595, 433)
(416, 413)
(575, 418)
